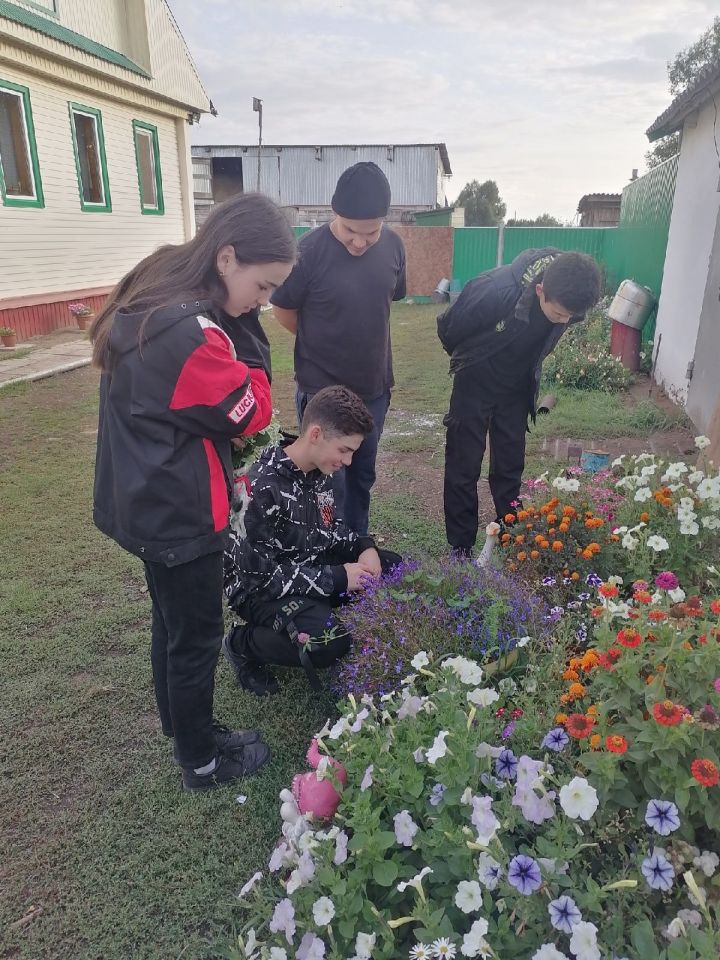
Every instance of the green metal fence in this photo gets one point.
(299, 231)
(589, 240)
(474, 250)
(636, 248)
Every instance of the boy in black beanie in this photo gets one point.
(337, 302)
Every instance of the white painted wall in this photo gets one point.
(690, 241)
(61, 247)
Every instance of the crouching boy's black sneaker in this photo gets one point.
(227, 740)
(251, 675)
(228, 768)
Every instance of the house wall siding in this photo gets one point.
(690, 240)
(60, 247)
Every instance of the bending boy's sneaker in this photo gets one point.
(250, 674)
(228, 768)
(226, 739)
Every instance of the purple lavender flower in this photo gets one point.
(556, 740)
(658, 871)
(524, 875)
(506, 765)
(662, 816)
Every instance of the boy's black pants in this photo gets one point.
(473, 415)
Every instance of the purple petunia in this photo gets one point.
(524, 875)
(658, 871)
(556, 740)
(508, 730)
(549, 581)
(437, 794)
(506, 765)
(564, 913)
(593, 580)
(662, 816)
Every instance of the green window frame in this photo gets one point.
(23, 165)
(149, 173)
(88, 141)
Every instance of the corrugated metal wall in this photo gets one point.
(474, 250)
(306, 176)
(589, 240)
(636, 247)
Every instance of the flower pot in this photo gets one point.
(9, 339)
(84, 322)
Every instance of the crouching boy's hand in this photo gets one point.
(358, 577)
(370, 560)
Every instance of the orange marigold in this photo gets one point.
(520, 538)
(569, 511)
(522, 555)
(561, 718)
(589, 660)
(574, 575)
(551, 518)
(534, 554)
(522, 514)
(557, 545)
(509, 518)
(595, 741)
(576, 690)
(592, 710)
(571, 674)
(644, 517)
(544, 544)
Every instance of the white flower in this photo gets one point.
(711, 523)
(675, 929)
(677, 595)
(701, 442)
(548, 951)
(338, 728)
(675, 471)
(689, 528)
(405, 828)
(649, 471)
(657, 543)
(278, 953)
(643, 494)
(489, 871)
(420, 660)
(411, 706)
(421, 951)
(484, 750)
(469, 896)
(707, 862)
(360, 720)
(615, 580)
(302, 874)
(617, 462)
(583, 941)
(443, 947)
(474, 943)
(364, 945)
(522, 641)
(468, 671)
(416, 881)
(691, 918)
(250, 945)
(439, 747)
(507, 685)
(695, 477)
(323, 911)
(484, 820)
(579, 799)
(483, 696)
(367, 779)
(709, 488)
(566, 484)
(629, 541)
(250, 884)
(418, 755)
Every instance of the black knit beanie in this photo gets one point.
(362, 193)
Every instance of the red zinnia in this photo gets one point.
(579, 726)
(629, 638)
(657, 615)
(667, 713)
(616, 743)
(715, 606)
(608, 590)
(705, 772)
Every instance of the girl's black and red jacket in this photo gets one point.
(168, 409)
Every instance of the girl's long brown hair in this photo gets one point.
(252, 224)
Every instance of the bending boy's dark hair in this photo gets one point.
(572, 280)
(338, 412)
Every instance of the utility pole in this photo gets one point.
(257, 108)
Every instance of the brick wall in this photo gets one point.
(429, 257)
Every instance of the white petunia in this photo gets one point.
(420, 660)
(467, 671)
(484, 820)
(468, 897)
(367, 780)
(707, 862)
(615, 580)
(643, 494)
(439, 747)
(323, 911)
(250, 884)
(278, 953)
(418, 755)
(649, 470)
(338, 728)
(579, 799)
(489, 871)
(583, 941)
(484, 750)
(677, 595)
(689, 528)
(629, 541)
(711, 523)
(364, 945)
(415, 882)
(657, 543)
(405, 828)
(474, 943)
(548, 951)
(709, 488)
(701, 442)
(483, 696)
(360, 720)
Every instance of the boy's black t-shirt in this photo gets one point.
(343, 305)
(512, 367)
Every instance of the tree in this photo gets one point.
(544, 220)
(482, 202)
(682, 72)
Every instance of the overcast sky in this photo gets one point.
(551, 100)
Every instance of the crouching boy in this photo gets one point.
(290, 562)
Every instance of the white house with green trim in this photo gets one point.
(95, 172)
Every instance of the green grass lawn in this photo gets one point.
(104, 857)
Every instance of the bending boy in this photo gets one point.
(291, 561)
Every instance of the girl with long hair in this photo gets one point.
(173, 394)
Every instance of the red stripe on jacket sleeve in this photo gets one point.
(209, 374)
(219, 501)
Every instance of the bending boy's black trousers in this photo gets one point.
(473, 416)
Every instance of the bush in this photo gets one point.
(451, 608)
